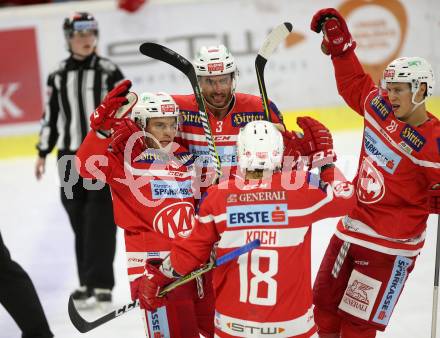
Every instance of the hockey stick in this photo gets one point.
(83, 325)
(176, 60)
(124, 110)
(436, 279)
(275, 37)
(221, 260)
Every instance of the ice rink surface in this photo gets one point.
(35, 228)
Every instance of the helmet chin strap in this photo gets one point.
(416, 104)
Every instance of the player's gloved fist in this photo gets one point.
(103, 116)
(434, 199)
(337, 38)
(121, 138)
(315, 146)
(149, 287)
(130, 5)
(318, 142)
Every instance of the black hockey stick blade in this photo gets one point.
(167, 55)
(273, 40)
(162, 53)
(84, 326)
(176, 60)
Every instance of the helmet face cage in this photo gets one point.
(79, 22)
(412, 70)
(152, 105)
(260, 146)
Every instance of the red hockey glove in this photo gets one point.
(315, 146)
(337, 38)
(103, 116)
(130, 5)
(122, 130)
(434, 199)
(149, 286)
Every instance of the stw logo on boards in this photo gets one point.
(174, 220)
(20, 91)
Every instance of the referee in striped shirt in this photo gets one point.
(75, 89)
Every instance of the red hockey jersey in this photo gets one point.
(152, 194)
(398, 163)
(246, 108)
(268, 290)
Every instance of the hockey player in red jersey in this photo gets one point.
(267, 291)
(150, 180)
(375, 246)
(228, 111)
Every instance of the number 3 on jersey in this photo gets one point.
(258, 287)
(219, 127)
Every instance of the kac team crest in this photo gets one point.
(370, 186)
(174, 219)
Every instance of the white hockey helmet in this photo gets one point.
(154, 105)
(413, 70)
(214, 60)
(260, 146)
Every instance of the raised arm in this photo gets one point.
(353, 83)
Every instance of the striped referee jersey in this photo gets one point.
(75, 89)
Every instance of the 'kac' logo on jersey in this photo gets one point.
(259, 214)
(379, 152)
(381, 107)
(174, 219)
(370, 186)
(412, 138)
(191, 118)
(241, 119)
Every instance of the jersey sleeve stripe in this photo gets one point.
(156, 172)
(307, 211)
